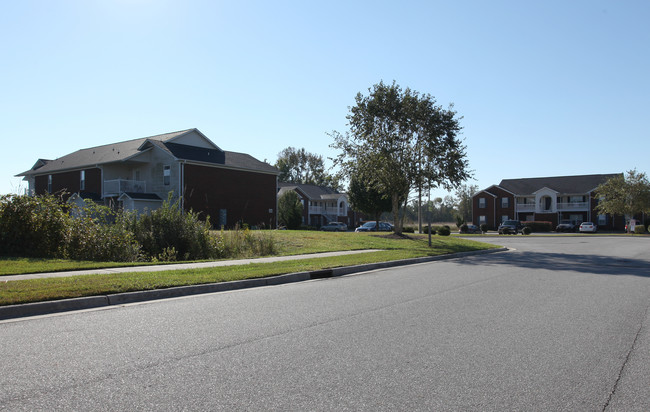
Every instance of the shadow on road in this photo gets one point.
(600, 265)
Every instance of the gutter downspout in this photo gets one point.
(181, 179)
(101, 181)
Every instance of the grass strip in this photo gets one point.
(37, 290)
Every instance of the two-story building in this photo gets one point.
(550, 199)
(140, 174)
(322, 205)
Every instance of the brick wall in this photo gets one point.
(246, 197)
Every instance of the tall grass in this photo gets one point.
(245, 243)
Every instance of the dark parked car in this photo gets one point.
(566, 226)
(372, 227)
(510, 227)
(335, 227)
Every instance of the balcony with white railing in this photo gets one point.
(322, 210)
(118, 186)
(525, 207)
(573, 206)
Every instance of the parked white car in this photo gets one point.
(588, 227)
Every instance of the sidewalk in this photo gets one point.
(7, 313)
(180, 266)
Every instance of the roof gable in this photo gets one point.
(313, 192)
(195, 138)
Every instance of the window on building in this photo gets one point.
(505, 202)
(602, 220)
(82, 180)
(481, 202)
(167, 175)
(504, 218)
(482, 220)
(49, 183)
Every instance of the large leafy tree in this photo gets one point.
(290, 210)
(366, 199)
(628, 196)
(399, 140)
(301, 167)
(463, 201)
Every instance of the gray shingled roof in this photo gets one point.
(561, 184)
(312, 191)
(121, 151)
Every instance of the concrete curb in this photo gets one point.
(91, 302)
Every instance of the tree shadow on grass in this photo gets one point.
(594, 264)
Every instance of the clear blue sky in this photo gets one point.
(545, 88)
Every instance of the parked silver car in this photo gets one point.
(335, 227)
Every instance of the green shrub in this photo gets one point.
(444, 231)
(464, 228)
(434, 229)
(526, 230)
(639, 229)
(408, 229)
(483, 227)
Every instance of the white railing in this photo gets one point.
(573, 206)
(119, 186)
(320, 210)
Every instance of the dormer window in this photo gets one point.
(82, 180)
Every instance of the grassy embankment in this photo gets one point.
(287, 242)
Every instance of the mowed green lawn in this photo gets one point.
(287, 243)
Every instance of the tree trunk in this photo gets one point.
(397, 221)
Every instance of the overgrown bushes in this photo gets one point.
(98, 233)
(170, 234)
(45, 226)
(32, 226)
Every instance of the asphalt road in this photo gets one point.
(561, 323)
